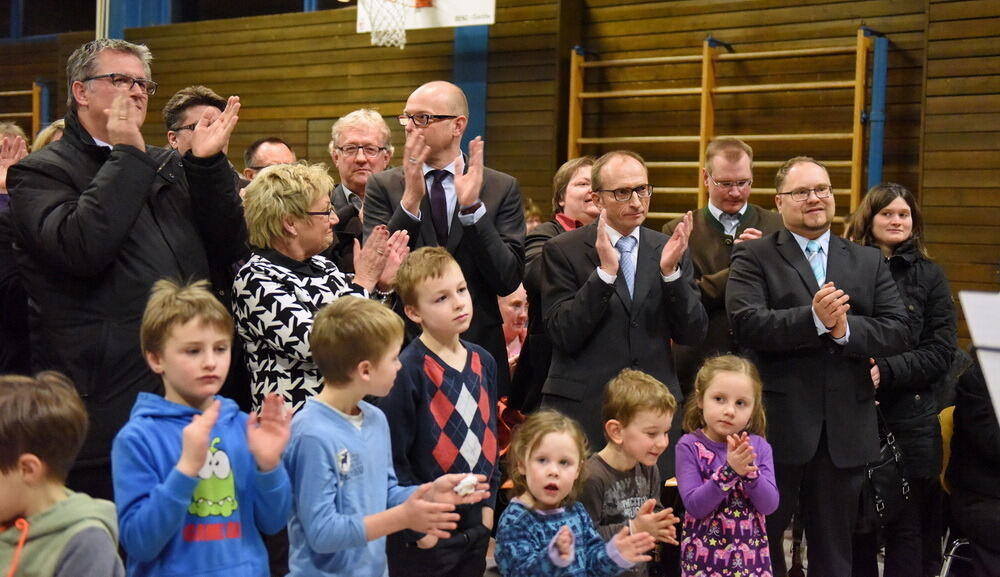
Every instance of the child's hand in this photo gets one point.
(659, 524)
(426, 516)
(740, 454)
(427, 542)
(443, 490)
(195, 440)
(633, 547)
(267, 433)
(564, 543)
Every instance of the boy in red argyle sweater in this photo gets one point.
(442, 415)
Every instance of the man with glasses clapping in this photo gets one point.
(729, 218)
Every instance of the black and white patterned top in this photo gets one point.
(275, 299)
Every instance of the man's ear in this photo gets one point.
(704, 176)
(80, 93)
(248, 174)
(172, 139)
(613, 430)
(460, 124)
(598, 201)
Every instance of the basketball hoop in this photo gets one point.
(387, 19)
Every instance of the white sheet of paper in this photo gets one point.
(982, 314)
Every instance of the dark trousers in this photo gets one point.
(829, 506)
(461, 555)
(978, 516)
(904, 538)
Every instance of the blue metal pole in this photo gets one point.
(16, 19)
(470, 70)
(46, 102)
(876, 119)
(310, 5)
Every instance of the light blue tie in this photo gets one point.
(815, 253)
(625, 245)
(730, 222)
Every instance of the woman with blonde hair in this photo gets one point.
(278, 292)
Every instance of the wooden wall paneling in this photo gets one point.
(959, 190)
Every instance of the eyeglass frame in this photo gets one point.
(147, 86)
(726, 185)
(379, 150)
(185, 127)
(325, 213)
(826, 189)
(406, 118)
(620, 195)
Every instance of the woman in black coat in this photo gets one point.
(889, 218)
(572, 206)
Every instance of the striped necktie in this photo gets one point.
(815, 253)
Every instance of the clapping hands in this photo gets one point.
(740, 453)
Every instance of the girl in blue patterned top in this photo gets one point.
(544, 531)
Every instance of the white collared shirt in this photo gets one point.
(450, 196)
(728, 227)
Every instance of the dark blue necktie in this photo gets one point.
(439, 206)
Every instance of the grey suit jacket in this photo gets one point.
(490, 252)
(810, 381)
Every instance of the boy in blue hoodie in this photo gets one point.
(196, 481)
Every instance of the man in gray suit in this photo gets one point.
(443, 198)
(810, 308)
(360, 146)
(614, 295)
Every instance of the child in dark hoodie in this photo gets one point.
(46, 529)
(196, 480)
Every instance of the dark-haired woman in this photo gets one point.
(889, 218)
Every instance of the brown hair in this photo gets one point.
(630, 392)
(859, 227)
(560, 182)
(779, 177)
(174, 109)
(694, 418)
(350, 330)
(595, 170)
(529, 434)
(44, 416)
(420, 265)
(172, 304)
(729, 146)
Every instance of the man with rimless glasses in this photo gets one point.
(445, 198)
(99, 217)
(810, 308)
(614, 296)
(728, 219)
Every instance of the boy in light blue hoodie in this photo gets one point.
(196, 481)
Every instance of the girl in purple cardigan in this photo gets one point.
(725, 473)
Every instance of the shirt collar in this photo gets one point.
(717, 213)
(450, 168)
(614, 235)
(823, 240)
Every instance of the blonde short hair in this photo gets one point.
(420, 265)
(279, 192)
(173, 304)
(632, 391)
(694, 418)
(530, 433)
(48, 134)
(350, 330)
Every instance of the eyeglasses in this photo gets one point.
(371, 151)
(325, 213)
(727, 184)
(422, 120)
(126, 81)
(185, 127)
(801, 194)
(624, 194)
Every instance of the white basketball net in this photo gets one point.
(388, 21)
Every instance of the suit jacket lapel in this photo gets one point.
(836, 261)
(621, 289)
(647, 269)
(790, 251)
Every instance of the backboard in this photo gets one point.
(440, 13)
